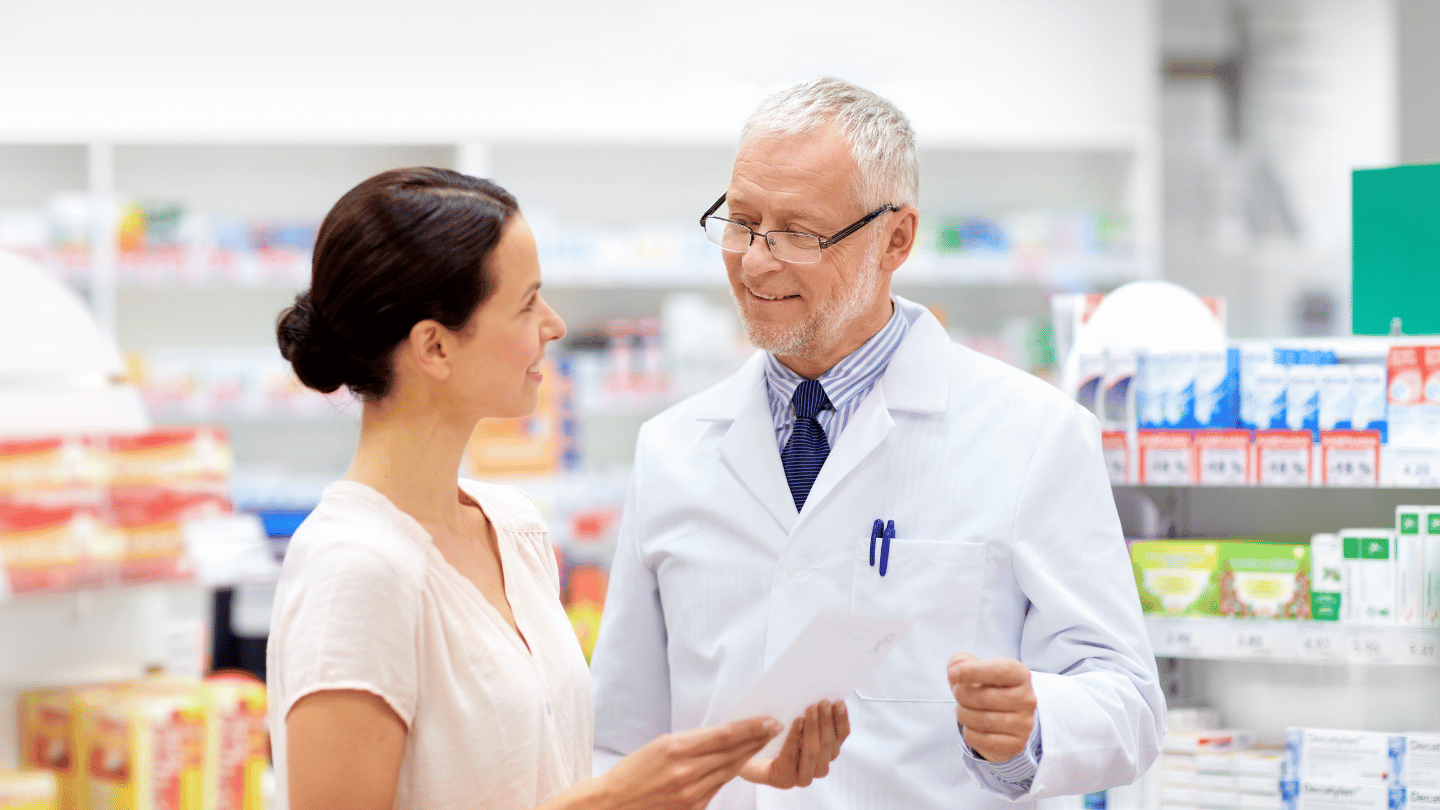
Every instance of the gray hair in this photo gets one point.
(881, 139)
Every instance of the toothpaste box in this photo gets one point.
(1422, 799)
(1116, 397)
(1369, 574)
(1149, 404)
(1410, 574)
(1327, 577)
(1267, 395)
(1337, 755)
(1178, 388)
(1329, 795)
(1217, 383)
(1421, 767)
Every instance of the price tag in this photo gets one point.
(1370, 648)
(1166, 466)
(1321, 645)
(1421, 649)
(1414, 468)
(1115, 462)
(1176, 641)
(1350, 468)
(1253, 643)
(1223, 466)
(1284, 467)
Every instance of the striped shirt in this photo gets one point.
(846, 384)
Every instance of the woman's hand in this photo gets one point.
(813, 743)
(683, 771)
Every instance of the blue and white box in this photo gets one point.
(1302, 397)
(1337, 755)
(1217, 384)
(1327, 795)
(1337, 397)
(1370, 390)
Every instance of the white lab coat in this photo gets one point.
(1007, 544)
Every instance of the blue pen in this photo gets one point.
(885, 546)
(875, 532)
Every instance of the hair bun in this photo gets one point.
(312, 346)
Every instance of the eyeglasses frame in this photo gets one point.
(825, 242)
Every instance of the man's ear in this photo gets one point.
(901, 238)
(429, 347)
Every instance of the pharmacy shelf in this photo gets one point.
(1305, 642)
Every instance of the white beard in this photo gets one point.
(822, 330)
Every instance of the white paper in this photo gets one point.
(829, 658)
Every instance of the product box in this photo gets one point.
(47, 740)
(56, 547)
(1265, 580)
(142, 748)
(1115, 399)
(1430, 409)
(1337, 397)
(1422, 799)
(1405, 372)
(1369, 576)
(1177, 577)
(238, 747)
(1417, 531)
(1421, 766)
(1410, 573)
(1090, 375)
(1217, 389)
(1329, 795)
(1302, 398)
(1207, 741)
(28, 790)
(1337, 755)
(1371, 406)
(1327, 577)
(53, 470)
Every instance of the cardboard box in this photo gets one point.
(1319, 795)
(1342, 756)
(1369, 573)
(1177, 577)
(1265, 580)
(1327, 577)
(1421, 765)
(142, 748)
(239, 744)
(28, 790)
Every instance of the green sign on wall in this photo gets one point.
(1396, 250)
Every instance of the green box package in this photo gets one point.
(1177, 577)
(1265, 580)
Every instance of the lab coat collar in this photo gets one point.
(915, 381)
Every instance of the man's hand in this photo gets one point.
(813, 742)
(995, 704)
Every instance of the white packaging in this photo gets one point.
(1174, 794)
(1430, 566)
(1142, 794)
(1262, 785)
(1422, 799)
(1117, 399)
(1226, 799)
(1177, 388)
(1325, 795)
(1369, 572)
(1259, 801)
(1327, 578)
(1337, 397)
(1369, 388)
(1214, 781)
(1302, 397)
(1091, 372)
(1338, 755)
(1260, 762)
(1207, 741)
(1421, 766)
(1409, 564)
(1252, 357)
(1149, 402)
(1213, 390)
(1269, 384)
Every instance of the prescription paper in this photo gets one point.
(829, 658)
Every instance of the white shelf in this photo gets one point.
(1292, 641)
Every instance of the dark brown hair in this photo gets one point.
(404, 246)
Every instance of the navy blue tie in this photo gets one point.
(805, 453)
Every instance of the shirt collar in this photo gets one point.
(852, 376)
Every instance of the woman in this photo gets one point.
(419, 656)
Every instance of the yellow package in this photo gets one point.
(47, 740)
(28, 790)
(142, 749)
(241, 745)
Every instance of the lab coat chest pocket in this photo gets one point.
(935, 583)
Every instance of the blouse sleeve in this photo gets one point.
(347, 617)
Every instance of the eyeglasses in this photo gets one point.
(787, 246)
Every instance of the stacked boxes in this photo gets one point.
(1197, 769)
(1417, 536)
(1325, 769)
(1241, 578)
(160, 742)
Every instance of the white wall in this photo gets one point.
(996, 72)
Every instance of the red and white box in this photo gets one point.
(1284, 458)
(1166, 457)
(1350, 458)
(1223, 458)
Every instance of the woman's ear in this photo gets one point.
(429, 347)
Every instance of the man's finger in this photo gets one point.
(994, 698)
(993, 722)
(990, 672)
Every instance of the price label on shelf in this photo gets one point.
(1413, 467)
(1421, 649)
(1283, 457)
(1253, 642)
(1321, 645)
(1370, 647)
(1176, 641)
(1166, 466)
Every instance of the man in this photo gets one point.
(1028, 674)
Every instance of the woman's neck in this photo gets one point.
(411, 454)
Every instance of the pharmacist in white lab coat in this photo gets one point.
(1028, 674)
